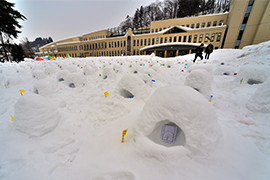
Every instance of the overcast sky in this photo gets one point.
(60, 19)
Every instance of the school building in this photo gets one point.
(247, 23)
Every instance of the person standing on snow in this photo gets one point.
(208, 50)
(198, 52)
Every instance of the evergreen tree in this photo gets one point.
(17, 53)
(136, 23)
(141, 17)
(9, 24)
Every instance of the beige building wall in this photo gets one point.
(256, 27)
(263, 31)
(254, 22)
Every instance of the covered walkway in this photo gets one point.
(170, 49)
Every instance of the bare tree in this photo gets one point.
(27, 48)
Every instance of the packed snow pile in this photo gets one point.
(176, 105)
(131, 86)
(35, 116)
(66, 118)
(201, 81)
(260, 100)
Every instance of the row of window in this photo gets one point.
(195, 39)
(68, 48)
(103, 45)
(212, 37)
(198, 25)
(94, 37)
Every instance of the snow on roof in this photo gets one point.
(171, 44)
(73, 42)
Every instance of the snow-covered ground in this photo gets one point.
(65, 128)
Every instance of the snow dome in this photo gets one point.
(179, 116)
(76, 80)
(201, 81)
(35, 116)
(132, 86)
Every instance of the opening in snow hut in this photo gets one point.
(61, 79)
(168, 134)
(254, 81)
(71, 85)
(126, 94)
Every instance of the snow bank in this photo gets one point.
(260, 101)
(186, 108)
(35, 116)
(76, 80)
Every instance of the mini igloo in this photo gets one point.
(178, 116)
(200, 80)
(131, 86)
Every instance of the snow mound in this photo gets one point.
(88, 71)
(131, 85)
(108, 73)
(252, 74)
(201, 81)
(76, 80)
(44, 87)
(35, 116)
(62, 75)
(184, 108)
(260, 101)
(38, 74)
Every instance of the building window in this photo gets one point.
(153, 41)
(149, 41)
(138, 42)
(145, 42)
(185, 39)
(212, 37)
(118, 44)
(152, 30)
(161, 40)
(206, 37)
(165, 41)
(170, 39)
(237, 43)
(160, 29)
(203, 25)
(124, 43)
(192, 25)
(156, 40)
(197, 25)
(187, 25)
(208, 24)
(179, 38)
(195, 38)
(220, 23)
(174, 39)
(134, 42)
(200, 38)
(141, 42)
(218, 37)
(189, 38)
(215, 23)
(156, 29)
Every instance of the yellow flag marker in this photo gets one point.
(12, 118)
(106, 94)
(22, 91)
(123, 134)
(5, 84)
